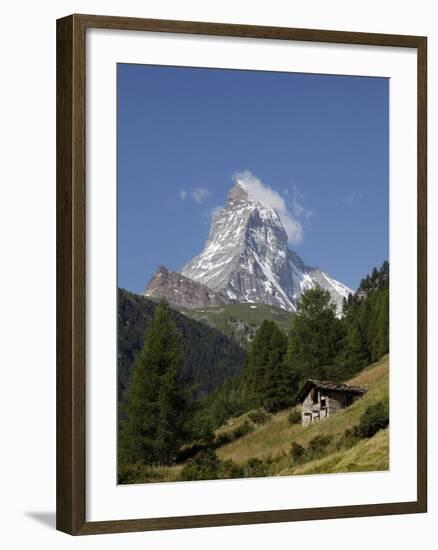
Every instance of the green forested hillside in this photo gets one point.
(319, 345)
(254, 446)
(366, 322)
(209, 357)
(245, 420)
(241, 320)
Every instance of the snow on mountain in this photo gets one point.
(247, 259)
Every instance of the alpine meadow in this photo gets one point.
(253, 318)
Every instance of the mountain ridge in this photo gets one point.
(180, 291)
(246, 257)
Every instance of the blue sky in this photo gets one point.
(319, 141)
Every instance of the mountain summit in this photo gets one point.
(247, 259)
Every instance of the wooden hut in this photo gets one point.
(320, 399)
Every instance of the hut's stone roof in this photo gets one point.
(327, 385)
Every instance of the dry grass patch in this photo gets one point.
(272, 441)
(368, 455)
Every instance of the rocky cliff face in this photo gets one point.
(247, 259)
(180, 291)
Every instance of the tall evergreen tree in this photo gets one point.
(384, 273)
(256, 365)
(316, 335)
(353, 355)
(267, 380)
(366, 324)
(155, 409)
(279, 384)
(382, 341)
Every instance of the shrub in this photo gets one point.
(259, 416)
(375, 418)
(222, 439)
(241, 430)
(229, 470)
(318, 445)
(255, 468)
(227, 437)
(297, 451)
(203, 466)
(207, 465)
(294, 417)
(136, 473)
(316, 449)
(190, 451)
(348, 439)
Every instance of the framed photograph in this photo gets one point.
(241, 274)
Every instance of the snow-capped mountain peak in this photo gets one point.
(246, 256)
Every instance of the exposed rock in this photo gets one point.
(246, 258)
(182, 292)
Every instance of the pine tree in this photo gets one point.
(256, 365)
(354, 356)
(267, 380)
(366, 325)
(316, 335)
(384, 270)
(277, 386)
(155, 409)
(344, 305)
(381, 337)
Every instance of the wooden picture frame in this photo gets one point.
(71, 273)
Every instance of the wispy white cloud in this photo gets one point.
(271, 198)
(352, 197)
(199, 194)
(298, 208)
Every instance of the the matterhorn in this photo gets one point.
(245, 259)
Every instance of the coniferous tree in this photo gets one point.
(353, 355)
(228, 400)
(279, 384)
(382, 344)
(316, 335)
(267, 380)
(155, 410)
(366, 324)
(208, 356)
(384, 274)
(256, 365)
(320, 346)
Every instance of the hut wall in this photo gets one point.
(319, 404)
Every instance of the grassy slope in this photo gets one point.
(368, 455)
(224, 317)
(272, 441)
